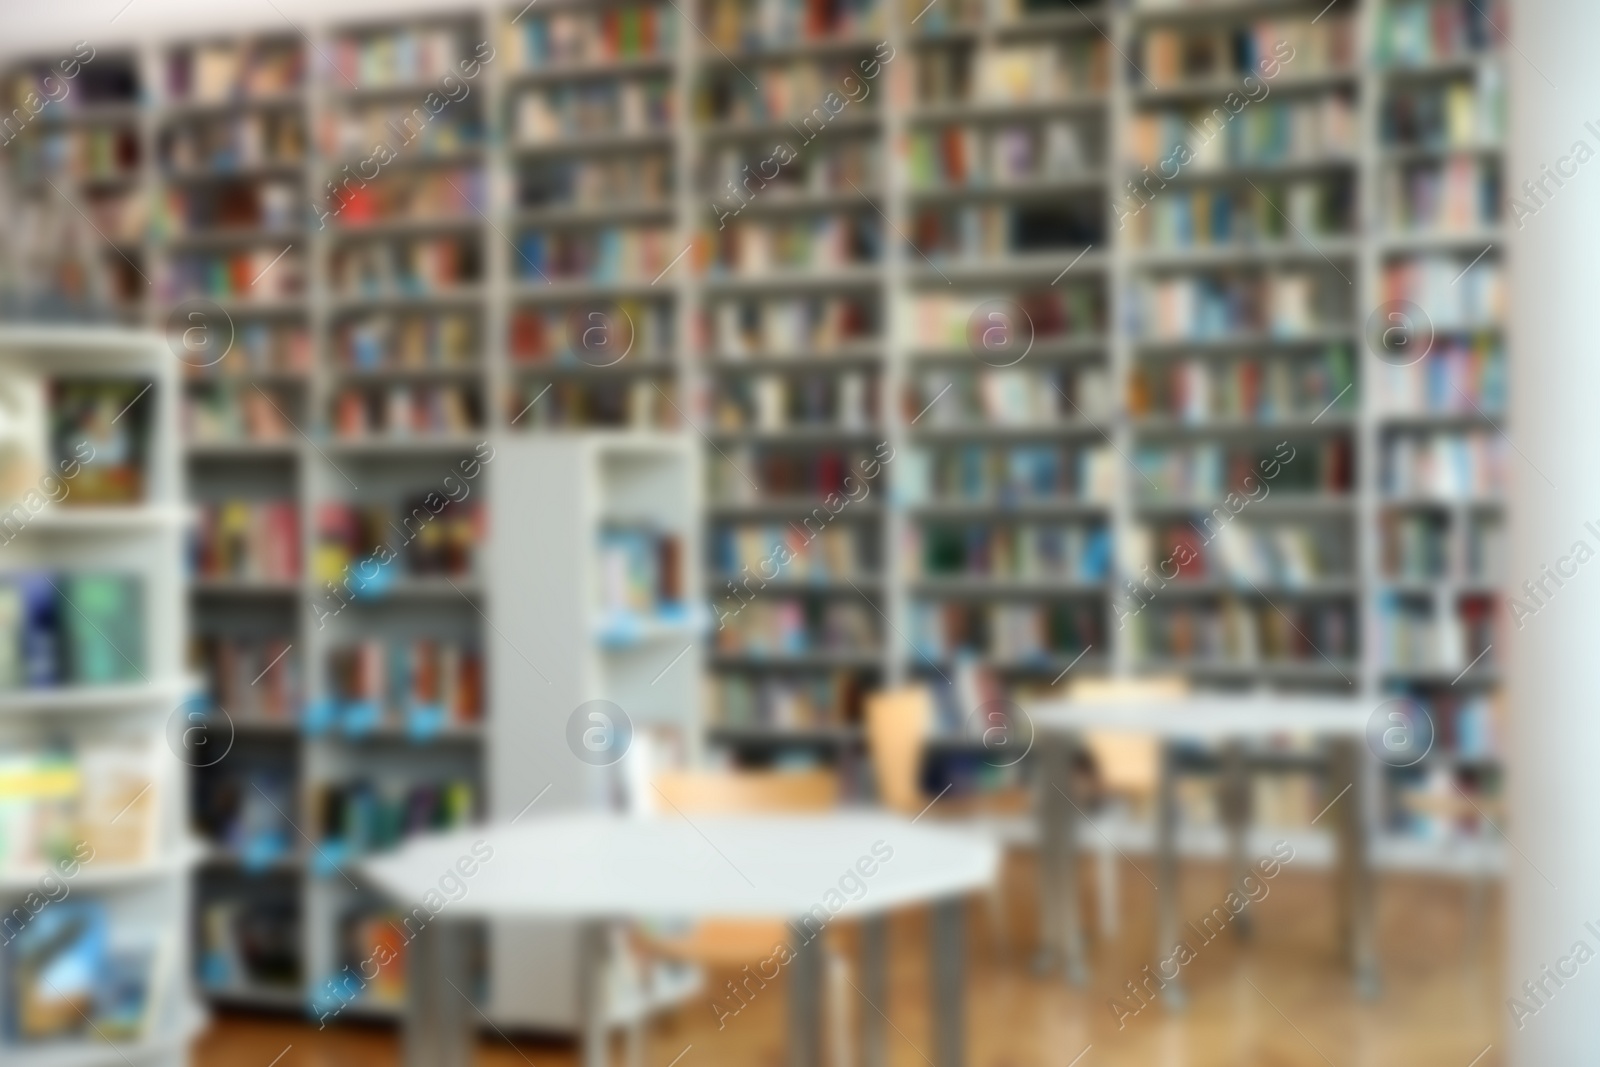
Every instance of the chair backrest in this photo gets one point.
(898, 723)
(1127, 762)
(734, 792)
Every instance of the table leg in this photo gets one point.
(593, 1037)
(1235, 804)
(949, 981)
(1061, 857)
(1167, 895)
(875, 991)
(1358, 924)
(805, 999)
(1049, 806)
(437, 1030)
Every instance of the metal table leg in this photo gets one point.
(949, 999)
(1049, 806)
(875, 990)
(805, 999)
(437, 1030)
(595, 1050)
(1357, 921)
(1235, 804)
(1167, 895)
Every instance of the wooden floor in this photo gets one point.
(1281, 999)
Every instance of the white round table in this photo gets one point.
(595, 869)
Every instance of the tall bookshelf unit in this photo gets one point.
(624, 220)
(115, 712)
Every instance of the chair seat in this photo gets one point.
(719, 942)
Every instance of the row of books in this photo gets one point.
(423, 540)
(618, 106)
(817, 243)
(1310, 129)
(406, 341)
(752, 25)
(1454, 292)
(1300, 210)
(937, 321)
(225, 143)
(424, 684)
(247, 807)
(998, 475)
(1444, 465)
(1461, 113)
(577, 404)
(605, 254)
(405, 410)
(255, 274)
(59, 802)
(1413, 636)
(93, 80)
(986, 233)
(812, 473)
(982, 155)
(1417, 32)
(189, 209)
(413, 266)
(740, 551)
(413, 196)
(1005, 634)
(785, 626)
(250, 941)
(1067, 68)
(372, 941)
(362, 816)
(1457, 195)
(227, 70)
(780, 327)
(774, 702)
(82, 971)
(607, 181)
(1244, 633)
(253, 679)
(87, 153)
(794, 90)
(1197, 391)
(1305, 45)
(1460, 375)
(1428, 546)
(355, 132)
(847, 401)
(1043, 396)
(1283, 302)
(1204, 472)
(1284, 555)
(561, 38)
(593, 334)
(640, 571)
(1466, 724)
(1024, 551)
(217, 414)
(398, 57)
(70, 629)
(734, 173)
(253, 540)
(260, 346)
(1425, 802)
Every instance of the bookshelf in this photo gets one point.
(94, 683)
(602, 232)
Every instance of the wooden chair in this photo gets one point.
(736, 942)
(1128, 765)
(899, 724)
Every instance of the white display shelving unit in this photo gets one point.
(553, 650)
(145, 540)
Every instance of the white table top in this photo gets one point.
(1207, 716)
(597, 865)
